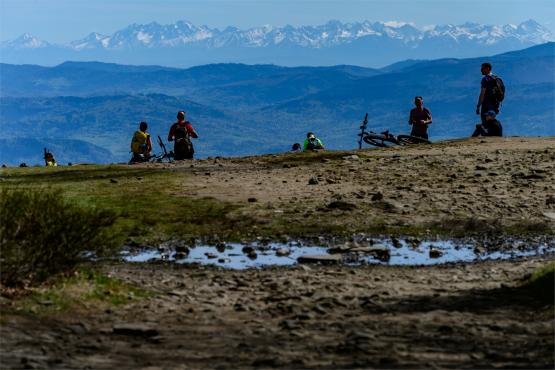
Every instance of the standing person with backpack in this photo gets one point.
(182, 131)
(492, 93)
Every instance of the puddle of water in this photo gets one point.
(236, 256)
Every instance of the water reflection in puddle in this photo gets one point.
(402, 252)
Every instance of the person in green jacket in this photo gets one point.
(312, 142)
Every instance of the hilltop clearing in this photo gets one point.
(474, 187)
(110, 314)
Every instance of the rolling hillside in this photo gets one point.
(241, 109)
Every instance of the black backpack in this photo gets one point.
(183, 147)
(498, 90)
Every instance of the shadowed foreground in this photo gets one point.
(376, 316)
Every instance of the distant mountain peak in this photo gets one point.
(26, 41)
(379, 42)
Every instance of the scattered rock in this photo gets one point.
(182, 249)
(324, 259)
(481, 168)
(221, 247)
(353, 157)
(282, 252)
(396, 243)
(180, 255)
(247, 249)
(252, 200)
(550, 200)
(113, 181)
(210, 255)
(313, 181)
(434, 252)
(380, 253)
(550, 215)
(377, 196)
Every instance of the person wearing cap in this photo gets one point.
(419, 119)
(491, 126)
(312, 142)
(141, 145)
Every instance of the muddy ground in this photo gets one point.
(455, 316)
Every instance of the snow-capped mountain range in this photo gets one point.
(283, 45)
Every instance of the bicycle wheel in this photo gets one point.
(381, 141)
(408, 139)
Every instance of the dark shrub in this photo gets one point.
(41, 234)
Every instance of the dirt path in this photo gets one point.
(475, 185)
(334, 317)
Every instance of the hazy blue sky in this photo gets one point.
(66, 20)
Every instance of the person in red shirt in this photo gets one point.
(181, 133)
(420, 118)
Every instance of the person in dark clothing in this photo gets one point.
(486, 100)
(181, 132)
(419, 119)
(491, 127)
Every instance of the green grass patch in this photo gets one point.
(151, 204)
(42, 234)
(81, 291)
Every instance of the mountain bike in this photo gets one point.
(385, 139)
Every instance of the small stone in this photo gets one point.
(252, 200)
(221, 247)
(396, 243)
(247, 249)
(113, 181)
(313, 181)
(180, 255)
(481, 168)
(282, 252)
(435, 253)
(210, 255)
(182, 249)
(377, 196)
(325, 259)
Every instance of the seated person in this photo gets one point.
(49, 159)
(141, 145)
(296, 148)
(420, 118)
(312, 142)
(491, 126)
(181, 133)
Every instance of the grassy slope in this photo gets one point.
(144, 199)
